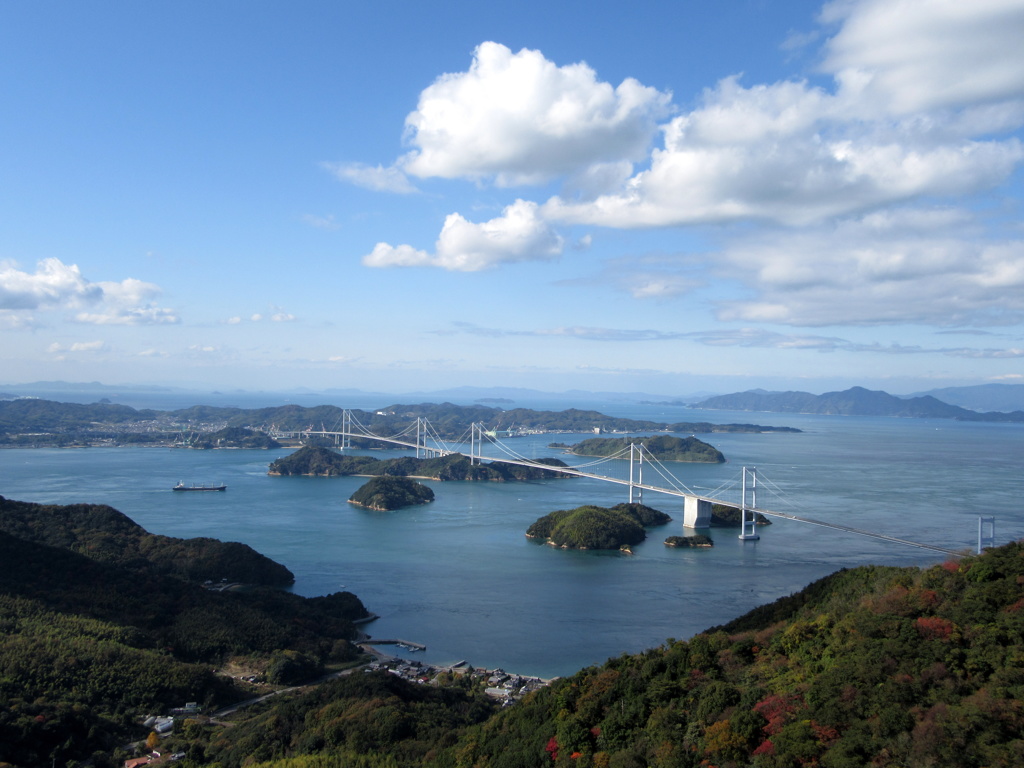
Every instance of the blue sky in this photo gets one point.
(662, 197)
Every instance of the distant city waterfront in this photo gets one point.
(459, 576)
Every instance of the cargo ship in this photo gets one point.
(182, 487)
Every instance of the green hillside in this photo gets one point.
(869, 666)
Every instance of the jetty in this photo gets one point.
(404, 643)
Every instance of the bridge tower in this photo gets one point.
(986, 533)
(476, 440)
(636, 456)
(748, 530)
(346, 429)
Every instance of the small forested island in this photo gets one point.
(698, 540)
(724, 516)
(386, 493)
(593, 527)
(326, 462)
(661, 447)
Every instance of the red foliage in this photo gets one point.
(951, 565)
(766, 748)
(826, 734)
(776, 710)
(934, 627)
(552, 748)
(929, 598)
(576, 755)
(595, 731)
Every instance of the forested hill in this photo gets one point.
(89, 646)
(871, 666)
(104, 534)
(856, 401)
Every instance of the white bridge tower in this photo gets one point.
(748, 530)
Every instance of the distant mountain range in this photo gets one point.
(981, 397)
(856, 401)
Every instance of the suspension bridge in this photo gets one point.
(697, 504)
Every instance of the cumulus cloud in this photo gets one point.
(58, 285)
(521, 119)
(519, 234)
(792, 153)
(921, 91)
(836, 184)
(53, 283)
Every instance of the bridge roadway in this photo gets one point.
(648, 487)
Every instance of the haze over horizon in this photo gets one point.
(698, 197)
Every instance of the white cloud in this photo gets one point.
(924, 267)
(77, 347)
(792, 153)
(522, 119)
(58, 285)
(907, 56)
(53, 283)
(321, 222)
(519, 234)
(378, 178)
(130, 316)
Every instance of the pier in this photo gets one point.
(404, 643)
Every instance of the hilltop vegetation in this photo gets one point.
(90, 642)
(872, 666)
(662, 447)
(385, 493)
(593, 527)
(317, 460)
(235, 437)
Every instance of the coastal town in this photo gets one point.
(504, 688)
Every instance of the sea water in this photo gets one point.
(459, 576)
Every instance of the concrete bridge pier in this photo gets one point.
(696, 512)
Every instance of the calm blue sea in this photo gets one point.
(459, 576)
